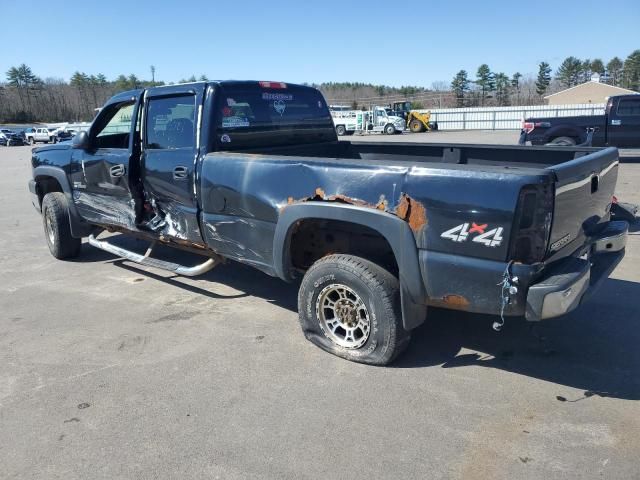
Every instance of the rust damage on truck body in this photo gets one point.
(407, 208)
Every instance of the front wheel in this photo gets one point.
(341, 130)
(389, 129)
(415, 126)
(57, 228)
(350, 307)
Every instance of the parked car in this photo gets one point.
(618, 127)
(64, 135)
(41, 134)
(9, 138)
(379, 232)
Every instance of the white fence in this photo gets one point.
(505, 118)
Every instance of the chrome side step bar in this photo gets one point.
(153, 262)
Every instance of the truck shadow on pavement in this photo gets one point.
(594, 349)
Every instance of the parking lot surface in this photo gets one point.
(109, 370)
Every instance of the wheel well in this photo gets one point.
(46, 185)
(312, 239)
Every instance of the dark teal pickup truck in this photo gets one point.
(379, 232)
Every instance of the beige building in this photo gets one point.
(588, 92)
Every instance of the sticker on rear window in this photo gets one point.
(277, 96)
(279, 106)
(233, 122)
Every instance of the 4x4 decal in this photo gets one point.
(460, 233)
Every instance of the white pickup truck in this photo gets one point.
(41, 134)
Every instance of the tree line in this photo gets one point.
(25, 97)
(491, 88)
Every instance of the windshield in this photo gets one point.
(249, 116)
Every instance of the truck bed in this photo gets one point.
(437, 153)
(435, 186)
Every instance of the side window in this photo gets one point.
(112, 129)
(171, 122)
(629, 106)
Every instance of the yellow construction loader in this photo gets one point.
(419, 122)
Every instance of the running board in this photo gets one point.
(153, 262)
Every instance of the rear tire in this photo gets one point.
(57, 229)
(563, 141)
(341, 130)
(350, 307)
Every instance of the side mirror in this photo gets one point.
(81, 141)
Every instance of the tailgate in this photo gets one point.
(583, 193)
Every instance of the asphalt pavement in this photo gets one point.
(109, 370)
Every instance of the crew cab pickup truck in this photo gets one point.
(378, 232)
(40, 134)
(618, 127)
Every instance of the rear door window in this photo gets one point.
(171, 122)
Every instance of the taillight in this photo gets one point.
(532, 224)
(527, 126)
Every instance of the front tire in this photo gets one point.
(57, 228)
(350, 307)
(341, 130)
(416, 126)
(389, 129)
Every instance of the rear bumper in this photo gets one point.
(568, 284)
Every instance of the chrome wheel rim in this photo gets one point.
(49, 227)
(343, 316)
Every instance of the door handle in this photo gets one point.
(117, 171)
(180, 173)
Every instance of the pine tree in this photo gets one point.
(585, 71)
(544, 78)
(485, 81)
(460, 86)
(631, 71)
(614, 71)
(597, 66)
(569, 72)
(515, 84)
(502, 89)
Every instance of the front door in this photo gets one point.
(100, 176)
(169, 155)
(624, 124)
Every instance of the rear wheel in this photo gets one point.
(350, 307)
(57, 229)
(565, 141)
(341, 130)
(389, 129)
(416, 126)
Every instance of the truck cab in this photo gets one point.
(381, 121)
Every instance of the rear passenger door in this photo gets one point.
(170, 153)
(624, 123)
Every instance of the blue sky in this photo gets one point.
(310, 41)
